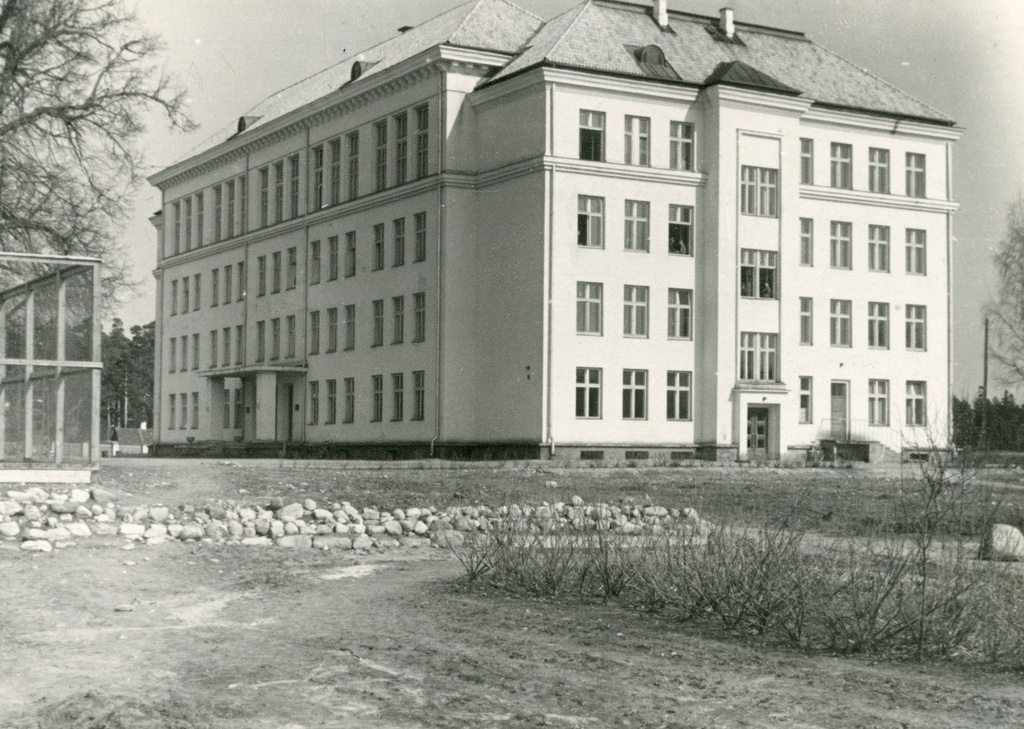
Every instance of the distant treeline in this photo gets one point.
(996, 424)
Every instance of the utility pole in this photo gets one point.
(984, 393)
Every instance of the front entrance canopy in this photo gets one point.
(49, 367)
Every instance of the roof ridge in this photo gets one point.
(881, 80)
(524, 10)
(474, 3)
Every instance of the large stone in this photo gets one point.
(1007, 543)
(35, 534)
(156, 531)
(276, 529)
(420, 528)
(309, 505)
(159, 513)
(658, 511)
(131, 530)
(32, 512)
(79, 496)
(63, 507)
(291, 512)
(295, 541)
(104, 530)
(78, 529)
(413, 514)
(192, 530)
(101, 496)
(37, 545)
(393, 528)
(235, 529)
(58, 534)
(9, 529)
(257, 541)
(375, 530)
(291, 528)
(448, 538)
(332, 542)
(322, 515)
(10, 508)
(362, 542)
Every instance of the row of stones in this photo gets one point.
(44, 520)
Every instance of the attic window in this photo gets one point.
(653, 62)
(357, 70)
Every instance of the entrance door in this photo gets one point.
(290, 397)
(757, 433)
(839, 405)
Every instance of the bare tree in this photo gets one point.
(76, 79)
(1007, 312)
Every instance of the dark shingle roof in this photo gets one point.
(594, 36)
(737, 73)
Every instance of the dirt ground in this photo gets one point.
(199, 635)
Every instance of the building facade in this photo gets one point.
(625, 232)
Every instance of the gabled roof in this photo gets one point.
(737, 73)
(595, 35)
(491, 25)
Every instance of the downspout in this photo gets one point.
(949, 296)
(244, 284)
(549, 244)
(305, 312)
(442, 113)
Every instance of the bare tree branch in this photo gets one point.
(1007, 311)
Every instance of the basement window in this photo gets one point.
(591, 455)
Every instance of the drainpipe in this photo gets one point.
(549, 244)
(442, 125)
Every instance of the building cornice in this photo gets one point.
(877, 200)
(603, 83)
(734, 96)
(874, 123)
(631, 173)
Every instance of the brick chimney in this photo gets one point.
(725, 22)
(661, 13)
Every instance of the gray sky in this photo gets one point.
(963, 57)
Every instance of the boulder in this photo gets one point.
(393, 528)
(9, 529)
(332, 542)
(64, 507)
(1007, 544)
(79, 496)
(156, 531)
(257, 541)
(37, 545)
(159, 513)
(448, 539)
(362, 542)
(10, 508)
(80, 530)
(295, 541)
(101, 496)
(131, 530)
(192, 530)
(291, 512)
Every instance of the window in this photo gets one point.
(878, 248)
(197, 294)
(289, 350)
(806, 399)
(318, 177)
(378, 322)
(261, 276)
(634, 394)
(264, 196)
(638, 223)
(261, 341)
(878, 402)
(680, 146)
(380, 132)
(878, 170)
(188, 224)
(878, 325)
(226, 339)
(350, 400)
(638, 141)
(589, 301)
(916, 327)
(422, 130)
(173, 355)
(314, 263)
(335, 151)
(183, 421)
(806, 161)
(275, 272)
(214, 349)
(420, 224)
(680, 230)
(588, 392)
(397, 396)
(398, 310)
(806, 320)
(184, 295)
(915, 175)
(759, 192)
(378, 247)
(239, 344)
(200, 219)
(292, 272)
(678, 396)
(378, 398)
(350, 327)
(278, 191)
(353, 165)
(842, 166)
(916, 252)
(590, 222)
(241, 280)
(419, 395)
(634, 311)
(350, 254)
(293, 186)
(332, 403)
(332, 329)
(238, 408)
(243, 205)
(592, 135)
(758, 356)
(195, 351)
(215, 287)
(680, 313)
(177, 227)
(314, 332)
(171, 410)
(275, 338)
(840, 245)
(174, 297)
(401, 147)
(218, 212)
(227, 284)
(398, 252)
(916, 392)
(314, 402)
(840, 323)
(757, 274)
(806, 242)
(332, 258)
(419, 305)
(230, 208)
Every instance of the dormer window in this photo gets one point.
(653, 62)
(357, 70)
